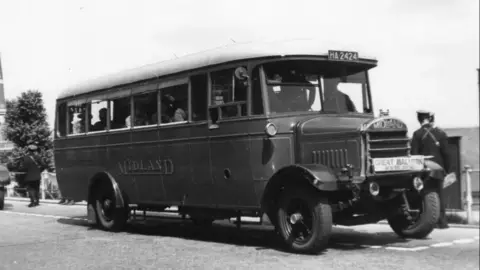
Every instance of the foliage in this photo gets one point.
(26, 124)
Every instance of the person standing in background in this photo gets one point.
(33, 167)
(430, 140)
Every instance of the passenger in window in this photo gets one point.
(141, 119)
(171, 112)
(79, 123)
(102, 123)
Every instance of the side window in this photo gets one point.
(257, 98)
(61, 120)
(145, 107)
(174, 104)
(119, 112)
(76, 118)
(229, 94)
(99, 115)
(199, 85)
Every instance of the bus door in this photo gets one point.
(229, 140)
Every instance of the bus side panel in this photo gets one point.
(268, 155)
(175, 155)
(230, 148)
(201, 188)
(119, 162)
(76, 164)
(146, 165)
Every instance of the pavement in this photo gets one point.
(54, 236)
(457, 218)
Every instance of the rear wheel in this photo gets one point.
(109, 216)
(425, 211)
(304, 220)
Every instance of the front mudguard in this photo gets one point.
(319, 176)
(434, 174)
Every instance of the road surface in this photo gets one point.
(58, 237)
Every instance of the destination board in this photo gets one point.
(413, 163)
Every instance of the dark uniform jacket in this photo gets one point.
(33, 166)
(432, 141)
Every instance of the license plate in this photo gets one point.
(342, 55)
(414, 163)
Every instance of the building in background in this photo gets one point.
(464, 143)
(4, 144)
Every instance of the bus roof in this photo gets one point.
(225, 54)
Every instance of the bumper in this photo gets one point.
(402, 179)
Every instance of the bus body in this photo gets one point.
(245, 129)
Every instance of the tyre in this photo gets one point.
(304, 220)
(2, 198)
(422, 224)
(110, 217)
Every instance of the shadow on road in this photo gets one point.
(7, 206)
(260, 237)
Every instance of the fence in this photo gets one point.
(471, 189)
(48, 187)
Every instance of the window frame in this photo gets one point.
(249, 66)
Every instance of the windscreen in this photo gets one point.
(317, 86)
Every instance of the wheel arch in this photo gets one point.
(107, 178)
(319, 177)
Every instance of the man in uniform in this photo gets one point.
(429, 140)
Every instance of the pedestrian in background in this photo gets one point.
(430, 140)
(33, 166)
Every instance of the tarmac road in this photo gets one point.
(58, 237)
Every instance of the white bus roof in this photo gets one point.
(229, 53)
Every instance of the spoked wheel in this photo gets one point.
(108, 214)
(423, 217)
(304, 220)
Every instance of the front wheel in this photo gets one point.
(304, 220)
(426, 211)
(109, 216)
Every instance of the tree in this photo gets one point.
(26, 124)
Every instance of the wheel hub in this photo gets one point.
(294, 218)
(107, 204)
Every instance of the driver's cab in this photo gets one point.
(300, 86)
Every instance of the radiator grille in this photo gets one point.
(388, 144)
(334, 158)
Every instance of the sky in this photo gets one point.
(428, 51)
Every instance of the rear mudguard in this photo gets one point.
(119, 200)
